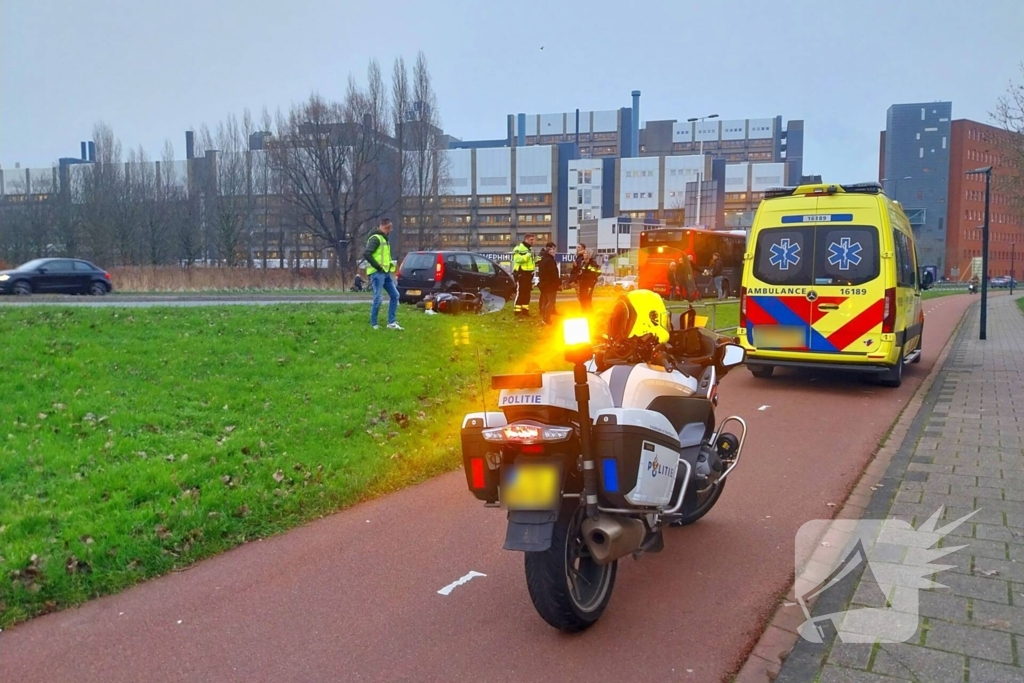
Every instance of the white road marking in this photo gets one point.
(455, 584)
(763, 408)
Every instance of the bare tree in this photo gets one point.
(427, 163)
(400, 104)
(230, 198)
(1009, 116)
(102, 196)
(331, 158)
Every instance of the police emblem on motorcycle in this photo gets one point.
(656, 468)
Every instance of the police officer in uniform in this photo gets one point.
(523, 265)
(585, 272)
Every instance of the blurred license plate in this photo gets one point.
(780, 337)
(414, 292)
(531, 487)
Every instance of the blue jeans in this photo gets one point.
(380, 282)
(718, 285)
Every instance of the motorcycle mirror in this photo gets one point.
(733, 354)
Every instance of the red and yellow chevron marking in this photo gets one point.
(862, 317)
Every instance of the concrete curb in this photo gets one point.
(780, 654)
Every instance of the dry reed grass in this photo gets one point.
(172, 279)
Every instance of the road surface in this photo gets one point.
(354, 597)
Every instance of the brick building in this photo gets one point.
(976, 145)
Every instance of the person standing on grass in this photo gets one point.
(379, 267)
(673, 284)
(550, 280)
(685, 274)
(523, 265)
(716, 273)
(585, 272)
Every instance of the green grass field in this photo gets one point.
(134, 441)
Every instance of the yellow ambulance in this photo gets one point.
(830, 280)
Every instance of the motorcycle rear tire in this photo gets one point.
(569, 601)
(694, 510)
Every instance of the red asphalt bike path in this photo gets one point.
(354, 596)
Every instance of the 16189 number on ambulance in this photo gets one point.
(830, 280)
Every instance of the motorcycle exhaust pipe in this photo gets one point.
(610, 538)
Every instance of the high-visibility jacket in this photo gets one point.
(522, 258)
(378, 257)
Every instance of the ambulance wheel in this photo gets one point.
(893, 377)
(761, 371)
(569, 589)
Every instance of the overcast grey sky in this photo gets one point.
(153, 69)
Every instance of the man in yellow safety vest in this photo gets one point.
(379, 267)
(523, 265)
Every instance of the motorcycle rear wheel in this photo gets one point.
(697, 504)
(568, 588)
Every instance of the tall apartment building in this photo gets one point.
(915, 172)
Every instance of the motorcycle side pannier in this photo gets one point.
(637, 455)
(481, 478)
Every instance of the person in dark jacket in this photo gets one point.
(585, 272)
(673, 282)
(550, 280)
(687, 283)
(716, 273)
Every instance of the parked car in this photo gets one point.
(1002, 282)
(56, 276)
(431, 272)
(626, 284)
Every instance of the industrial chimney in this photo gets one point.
(635, 151)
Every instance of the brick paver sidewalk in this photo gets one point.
(969, 456)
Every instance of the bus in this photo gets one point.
(660, 246)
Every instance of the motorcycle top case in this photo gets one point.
(637, 457)
(554, 403)
(475, 448)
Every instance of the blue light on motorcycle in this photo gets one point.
(611, 475)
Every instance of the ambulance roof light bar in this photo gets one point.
(820, 189)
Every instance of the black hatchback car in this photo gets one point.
(55, 276)
(432, 272)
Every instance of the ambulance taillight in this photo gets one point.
(889, 312)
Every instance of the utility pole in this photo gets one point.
(987, 170)
(1013, 251)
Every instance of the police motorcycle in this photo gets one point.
(592, 464)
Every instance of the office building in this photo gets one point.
(915, 172)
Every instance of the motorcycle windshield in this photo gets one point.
(490, 303)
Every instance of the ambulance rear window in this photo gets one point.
(846, 255)
(817, 255)
(783, 256)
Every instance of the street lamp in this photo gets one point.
(896, 184)
(700, 172)
(987, 170)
